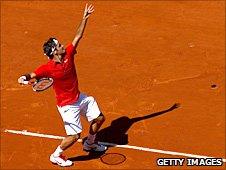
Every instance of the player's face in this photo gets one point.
(60, 49)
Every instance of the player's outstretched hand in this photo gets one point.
(28, 78)
(22, 80)
(88, 11)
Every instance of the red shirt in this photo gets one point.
(64, 76)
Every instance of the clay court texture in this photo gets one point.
(137, 58)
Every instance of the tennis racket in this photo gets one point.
(39, 84)
(42, 84)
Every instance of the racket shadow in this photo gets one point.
(117, 132)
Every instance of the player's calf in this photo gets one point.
(69, 140)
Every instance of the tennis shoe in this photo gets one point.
(94, 147)
(60, 160)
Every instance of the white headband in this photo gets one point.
(53, 48)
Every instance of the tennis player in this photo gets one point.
(70, 102)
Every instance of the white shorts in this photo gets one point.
(85, 106)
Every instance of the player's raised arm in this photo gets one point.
(87, 12)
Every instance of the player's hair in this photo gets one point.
(49, 47)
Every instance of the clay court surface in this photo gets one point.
(137, 58)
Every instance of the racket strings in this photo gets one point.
(42, 84)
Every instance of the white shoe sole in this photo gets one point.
(56, 163)
(52, 160)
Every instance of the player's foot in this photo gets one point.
(94, 147)
(60, 160)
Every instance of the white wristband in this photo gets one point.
(24, 81)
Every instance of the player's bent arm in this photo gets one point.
(24, 79)
(87, 12)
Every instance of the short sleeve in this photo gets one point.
(42, 71)
(70, 50)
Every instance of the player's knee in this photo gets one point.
(75, 137)
(101, 118)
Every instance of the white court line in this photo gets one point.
(24, 132)
(178, 79)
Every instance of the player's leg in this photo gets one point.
(57, 157)
(96, 124)
(94, 127)
(73, 128)
(96, 118)
(69, 141)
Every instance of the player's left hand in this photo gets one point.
(88, 10)
(22, 80)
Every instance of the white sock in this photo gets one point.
(58, 152)
(91, 138)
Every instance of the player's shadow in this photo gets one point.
(116, 133)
